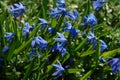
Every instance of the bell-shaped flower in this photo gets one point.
(32, 53)
(92, 39)
(59, 70)
(51, 30)
(61, 38)
(89, 20)
(27, 29)
(17, 10)
(43, 22)
(59, 48)
(9, 36)
(115, 64)
(97, 4)
(69, 28)
(5, 49)
(103, 45)
(40, 42)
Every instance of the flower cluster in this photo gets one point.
(40, 44)
(17, 10)
(61, 10)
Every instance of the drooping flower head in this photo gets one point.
(92, 39)
(59, 70)
(1, 61)
(97, 4)
(61, 3)
(40, 42)
(103, 46)
(51, 30)
(61, 10)
(5, 49)
(59, 48)
(61, 38)
(89, 20)
(27, 29)
(9, 36)
(43, 23)
(102, 60)
(69, 28)
(115, 64)
(17, 10)
(33, 52)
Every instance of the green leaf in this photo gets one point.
(86, 53)
(96, 56)
(87, 75)
(28, 71)
(111, 53)
(73, 70)
(81, 45)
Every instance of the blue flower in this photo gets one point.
(42, 44)
(61, 3)
(51, 30)
(98, 4)
(5, 49)
(103, 46)
(115, 64)
(102, 60)
(59, 48)
(27, 29)
(92, 39)
(1, 61)
(59, 70)
(69, 28)
(43, 23)
(89, 20)
(73, 15)
(61, 38)
(9, 36)
(17, 10)
(60, 10)
(33, 52)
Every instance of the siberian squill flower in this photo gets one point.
(59, 70)
(40, 42)
(1, 60)
(89, 20)
(33, 52)
(43, 23)
(92, 39)
(27, 29)
(59, 48)
(17, 10)
(5, 49)
(97, 4)
(69, 28)
(61, 38)
(61, 10)
(9, 36)
(61, 3)
(103, 45)
(51, 30)
(102, 60)
(115, 64)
